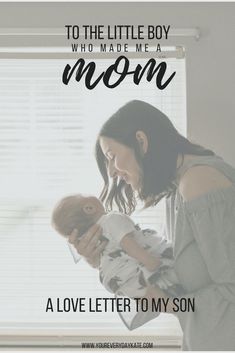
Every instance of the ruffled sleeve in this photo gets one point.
(212, 220)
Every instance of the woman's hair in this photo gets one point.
(159, 163)
(69, 215)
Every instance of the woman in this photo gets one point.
(139, 149)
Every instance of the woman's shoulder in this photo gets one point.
(202, 179)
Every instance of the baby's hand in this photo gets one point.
(152, 263)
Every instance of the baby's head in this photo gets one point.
(76, 212)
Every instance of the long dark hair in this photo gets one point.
(159, 164)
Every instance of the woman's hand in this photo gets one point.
(89, 246)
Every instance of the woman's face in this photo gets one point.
(121, 162)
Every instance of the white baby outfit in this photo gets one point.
(120, 273)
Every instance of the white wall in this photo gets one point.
(210, 61)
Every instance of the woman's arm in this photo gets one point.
(133, 249)
(121, 229)
(209, 206)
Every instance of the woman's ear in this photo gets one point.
(142, 140)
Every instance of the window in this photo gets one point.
(47, 135)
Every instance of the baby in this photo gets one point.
(132, 258)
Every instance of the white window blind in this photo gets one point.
(47, 136)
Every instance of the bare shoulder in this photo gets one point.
(201, 179)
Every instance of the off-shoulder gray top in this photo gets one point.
(203, 235)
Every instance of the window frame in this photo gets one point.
(40, 337)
